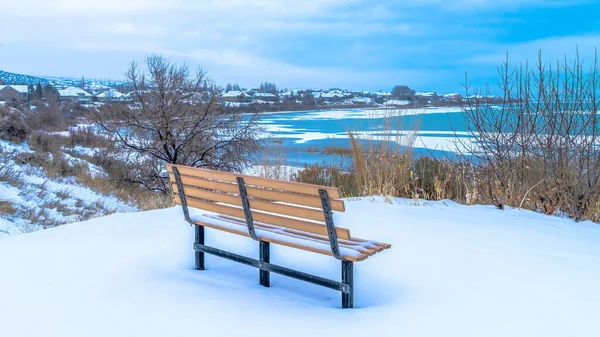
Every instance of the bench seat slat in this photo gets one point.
(255, 204)
(352, 241)
(257, 181)
(302, 225)
(349, 252)
(370, 244)
(362, 248)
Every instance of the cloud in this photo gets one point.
(313, 42)
(478, 5)
(58, 9)
(130, 28)
(553, 49)
(233, 66)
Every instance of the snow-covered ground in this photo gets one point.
(452, 271)
(36, 199)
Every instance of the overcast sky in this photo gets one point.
(355, 44)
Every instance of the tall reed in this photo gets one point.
(382, 158)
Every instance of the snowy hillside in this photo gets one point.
(31, 200)
(452, 271)
(12, 78)
(60, 82)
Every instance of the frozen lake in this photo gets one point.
(308, 137)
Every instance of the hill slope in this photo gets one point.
(12, 78)
(452, 271)
(31, 199)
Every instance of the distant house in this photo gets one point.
(383, 94)
(330, 96)
(362, 100)
(236, 96)
(397, 102)
(453, 97)
(427, 96)
(18, 93)
(75, 95)
(111, 95)
(265, 96)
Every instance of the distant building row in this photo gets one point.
(74, 94)
(22, 93)
(261, 97)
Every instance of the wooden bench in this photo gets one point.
(270, 211)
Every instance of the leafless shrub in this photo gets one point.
(87, 137)
(148, 200)
(13, 126)
(329, 176)
(10, 176)
(438, 179)
(133, 194)
(49, 116)
(539, 148)
(63, 194)
(43, 143)
(58, 167)
(34, 218)
(176, 120)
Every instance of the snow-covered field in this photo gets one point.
(452, 271)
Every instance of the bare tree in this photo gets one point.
(540, 145)
(175, 119)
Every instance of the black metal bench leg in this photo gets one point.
(348, 278)
(264, 256)
(199, 240)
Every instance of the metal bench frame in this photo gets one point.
(346, 286)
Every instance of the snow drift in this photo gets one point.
(453, 271)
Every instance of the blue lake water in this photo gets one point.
(303, 137)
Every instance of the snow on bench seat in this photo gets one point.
(353, 249)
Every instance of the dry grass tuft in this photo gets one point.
(328, 176)
(7, 208)
(10, 176)
(382, 161)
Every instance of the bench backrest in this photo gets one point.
(287, 204)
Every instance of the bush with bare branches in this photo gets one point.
(539, 148)
(13, 126)
(175, 119)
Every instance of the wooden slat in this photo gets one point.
(374, 245)
(242, 232)
(207, 184)
(303, 235)
(298, 224)
(349, 244)
(255, 204)
(256, 192)
(305, 200)
(378, 244)
(257, 181)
